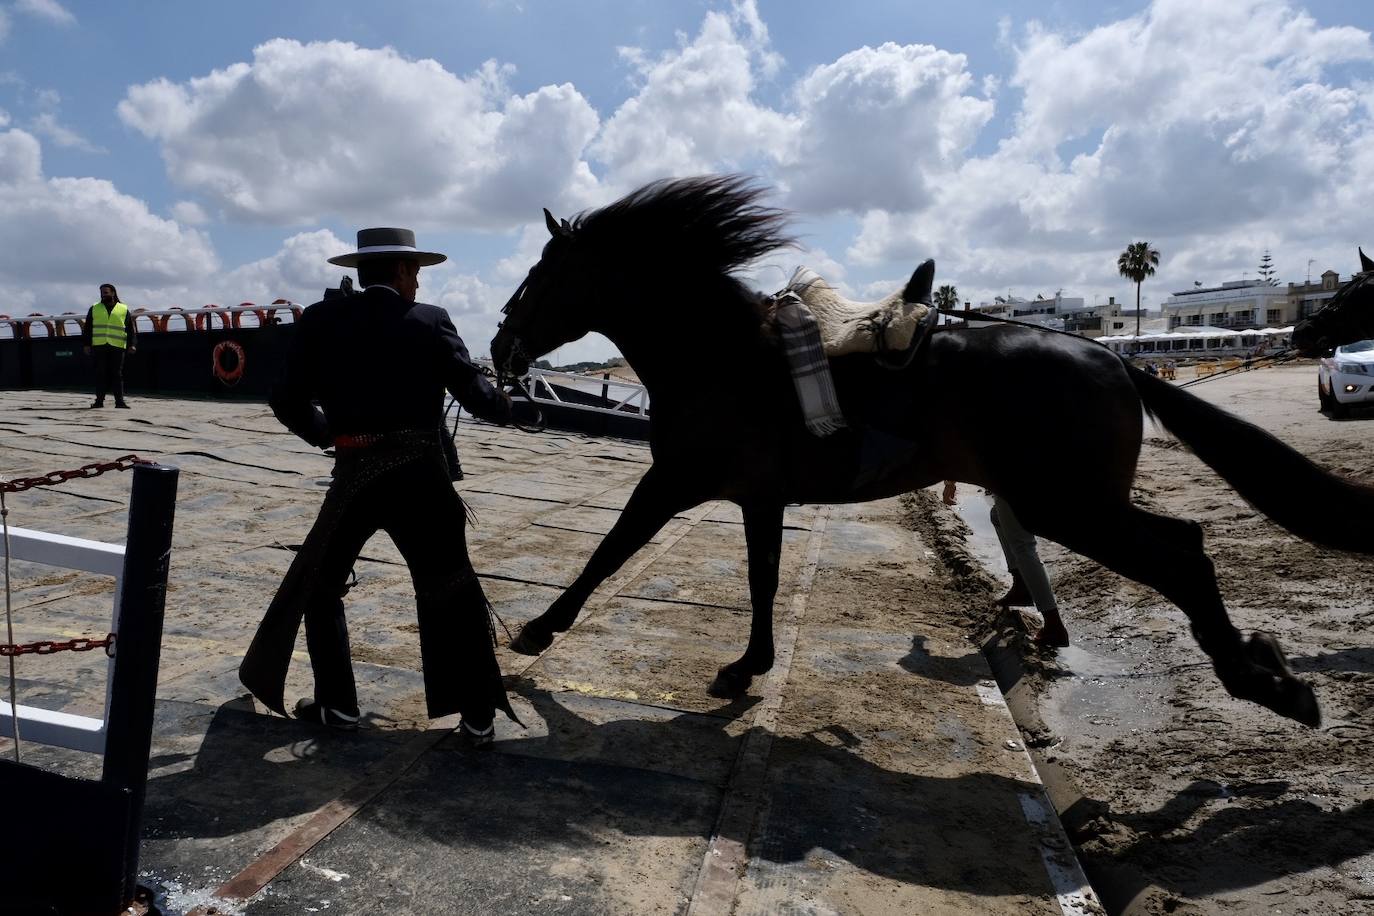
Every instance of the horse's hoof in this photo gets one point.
(528, 644)
(1297, 700)
(1263, 650)
(728, 685)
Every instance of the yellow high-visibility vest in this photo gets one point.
(107, 327)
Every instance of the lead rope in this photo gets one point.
(9, 625)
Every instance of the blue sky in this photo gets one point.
(195, 153)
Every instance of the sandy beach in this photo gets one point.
(1221, 805)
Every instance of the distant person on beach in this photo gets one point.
(378, 364)
(107, 335)
(1030, 583)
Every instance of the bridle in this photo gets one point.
(505, 373)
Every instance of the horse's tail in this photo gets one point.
(1314, 504)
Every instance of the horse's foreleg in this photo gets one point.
(763, 535)
(650, 507)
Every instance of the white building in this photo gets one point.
(1062, 313)
(1234, 304)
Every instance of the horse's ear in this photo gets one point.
(918, 287)
(1365, 263)
(551, 222)
(567, 227)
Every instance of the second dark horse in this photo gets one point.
(1007, 408)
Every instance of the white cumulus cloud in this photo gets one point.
(63, 236)
(1213, 130)
(880, 126)
(49, 10)
(694, 109)
(329, 128)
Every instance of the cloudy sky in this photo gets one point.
(217, 153)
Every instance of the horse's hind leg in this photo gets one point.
(654, 502)
(1166, 554)
(763, 535)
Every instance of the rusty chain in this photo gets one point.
(48, 646)
(53, 478)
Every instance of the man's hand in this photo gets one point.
(86, 350)
(133, 349)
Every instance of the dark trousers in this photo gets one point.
(109, 372)
(413, 501)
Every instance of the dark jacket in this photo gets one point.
(130, 332)
(377, 363)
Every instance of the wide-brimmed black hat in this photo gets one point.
(387, 243)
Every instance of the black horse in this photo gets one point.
(1006, 407)
(1347, 317)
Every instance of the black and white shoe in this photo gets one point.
(311, 711)
(475, 739)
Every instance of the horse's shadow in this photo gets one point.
(602, 775)
(1357, 659)
(1239, 845)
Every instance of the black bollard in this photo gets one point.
(143, 592)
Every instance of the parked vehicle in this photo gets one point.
(1345, 379)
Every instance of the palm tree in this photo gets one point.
(1135, 264)
(946, 297)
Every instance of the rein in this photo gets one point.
(518, 386)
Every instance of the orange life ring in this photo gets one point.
(205, 318)
(229, 375)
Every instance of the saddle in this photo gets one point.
(816, 324)
(892, 327)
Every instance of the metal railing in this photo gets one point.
(45, 726)
(626, 399)
(206, 318)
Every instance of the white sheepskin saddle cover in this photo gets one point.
(852, 327)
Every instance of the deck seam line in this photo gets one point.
(338, 811)
(727, 854)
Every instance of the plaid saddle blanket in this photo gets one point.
(801, 343)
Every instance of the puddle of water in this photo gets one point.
(1102, 694)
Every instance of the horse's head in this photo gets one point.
(548, 309)
(593, 269)
(1347, 317)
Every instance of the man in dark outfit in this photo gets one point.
(108, 334)
(378, 364)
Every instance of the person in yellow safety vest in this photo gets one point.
(107, 335)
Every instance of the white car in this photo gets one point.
(1345, 379)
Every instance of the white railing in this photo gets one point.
(628, 399)
(46, 726)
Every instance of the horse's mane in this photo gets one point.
(712, 222)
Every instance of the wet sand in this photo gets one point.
(1221, 805)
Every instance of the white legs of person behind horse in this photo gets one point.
(1166, 554)
(656, 499)
(1023, 562)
